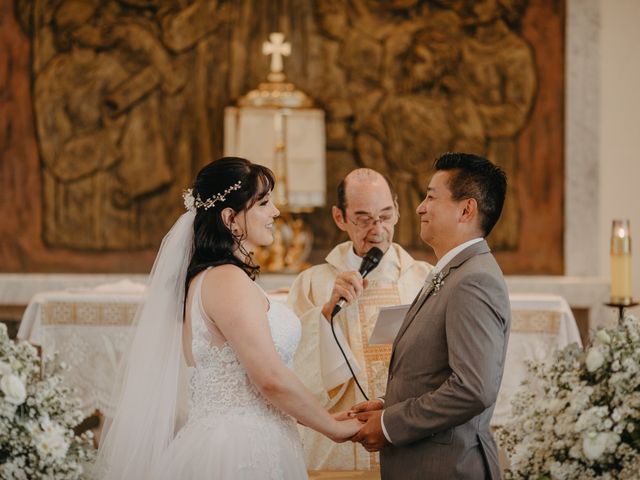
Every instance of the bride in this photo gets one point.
(226, 340)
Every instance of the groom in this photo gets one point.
(448, 356)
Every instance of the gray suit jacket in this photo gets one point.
(445, 372)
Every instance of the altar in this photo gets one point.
(89, 329)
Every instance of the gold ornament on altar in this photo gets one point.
(276, 125)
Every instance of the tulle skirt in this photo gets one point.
(235, 447)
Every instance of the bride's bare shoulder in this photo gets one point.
(229, 296)
(228, 281)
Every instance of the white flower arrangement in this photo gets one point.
(37, 416)
(579, 415)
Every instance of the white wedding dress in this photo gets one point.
(232, 431)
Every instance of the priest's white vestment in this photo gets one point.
(318, 361)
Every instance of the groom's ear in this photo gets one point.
(469, 212)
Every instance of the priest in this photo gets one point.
(367, 211)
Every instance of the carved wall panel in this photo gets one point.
(127, 99)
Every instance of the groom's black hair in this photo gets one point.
(476, 177)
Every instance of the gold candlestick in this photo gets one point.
(621, 263)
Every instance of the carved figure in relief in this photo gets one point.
(118, 130)
(101, 157)
(430, 113)
(423, 78)
(499, 73)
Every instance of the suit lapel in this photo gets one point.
(411, 313)
(466, 254)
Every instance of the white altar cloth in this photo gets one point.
(540, 324)
(90, 329)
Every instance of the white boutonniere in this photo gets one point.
(436, 283)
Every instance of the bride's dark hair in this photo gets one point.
(213, 242)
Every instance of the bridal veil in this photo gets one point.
(153, 373)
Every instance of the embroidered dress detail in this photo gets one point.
(232, 430)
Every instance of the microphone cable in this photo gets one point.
(353, 374)
(369, 262)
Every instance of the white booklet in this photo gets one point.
(388, 324)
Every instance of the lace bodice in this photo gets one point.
(219, 383)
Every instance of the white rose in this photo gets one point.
(594, 359)
(528, 426)
(613, 439)
(558, 470)
(630, 365)
(13, 389)
(5, 368)
(603, 336)
(521, 455)
(556, 405)
(593, 445)
(52, 444)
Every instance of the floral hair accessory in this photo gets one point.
(192, 203)
(189, 201)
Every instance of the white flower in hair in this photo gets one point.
(189, 201)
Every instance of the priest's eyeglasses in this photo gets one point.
(367, 221)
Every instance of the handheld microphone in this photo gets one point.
(369, 262)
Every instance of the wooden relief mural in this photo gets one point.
(126, 103)
(430, 78)
(117, 115)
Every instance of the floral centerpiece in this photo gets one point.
(37, 416)
(578, 417)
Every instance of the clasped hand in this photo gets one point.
(370, 434)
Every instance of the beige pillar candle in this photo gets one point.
(621, 263)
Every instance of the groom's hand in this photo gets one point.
(371, 435)
(368, 406)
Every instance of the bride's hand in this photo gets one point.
(341, 416)
(343, 430)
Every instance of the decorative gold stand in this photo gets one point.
(291, 245)
(621, 307)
